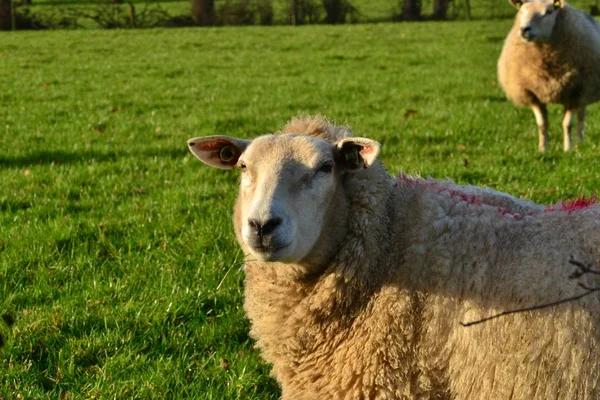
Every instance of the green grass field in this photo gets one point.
(119, 272)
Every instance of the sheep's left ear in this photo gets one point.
(356, 153)
(218, 151)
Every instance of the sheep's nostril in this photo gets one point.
(270, 226)
(266, 228)
(256, 226)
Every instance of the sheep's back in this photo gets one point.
(472, 261)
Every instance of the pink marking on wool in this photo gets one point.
(468, 198)
(409, 180)
(515, 215)
(415, 182)
(457, 194)
(573, 205)
(478, 201)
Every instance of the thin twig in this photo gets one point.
(538, 307)
(582, 269)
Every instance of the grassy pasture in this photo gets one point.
(118, 268)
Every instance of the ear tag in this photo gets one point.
(557, 4)
(227, 154)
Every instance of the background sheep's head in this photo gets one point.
(288, 187)
(537, 18)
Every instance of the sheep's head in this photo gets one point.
(537, 18)
(287, 186)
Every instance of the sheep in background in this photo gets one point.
(552, 56)
(357, 282)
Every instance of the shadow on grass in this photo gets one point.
(479, 98)
(12, 206)
(63, 157)
(9, 320)
(57, 157)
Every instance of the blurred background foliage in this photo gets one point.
(111, 14)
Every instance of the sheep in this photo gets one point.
(357, 282)
(551, 56)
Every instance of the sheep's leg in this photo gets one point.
(567, 125)
(580, 122)
(541, 118)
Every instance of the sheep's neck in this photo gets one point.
(278, 294)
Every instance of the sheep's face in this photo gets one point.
(537, 18)
(286, 188)
(286, 185)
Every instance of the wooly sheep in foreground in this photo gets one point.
(552, 56)
(357, 282)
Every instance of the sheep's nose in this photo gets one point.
(264, 229)
(526, 32)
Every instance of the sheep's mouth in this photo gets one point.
(528, 39)
(268, 252)
(532, 38)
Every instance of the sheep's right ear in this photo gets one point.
(516, 3)
(218, 151)
(356, 153)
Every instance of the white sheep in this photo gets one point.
(552, 56)
(357, 282)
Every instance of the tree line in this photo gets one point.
(114, 14)
(336, 11)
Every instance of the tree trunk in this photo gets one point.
(294, 20)
(132, 20)
(411, 10)
(440, 9)
(336, 14)
(468, 9)
(6, 15)
(203, 12)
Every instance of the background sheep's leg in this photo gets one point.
(567, 125)
(541, 118)
(580, 121)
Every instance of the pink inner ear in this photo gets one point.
(207, 146)
(367, 149)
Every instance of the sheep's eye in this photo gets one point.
(243, 166)
(326, 168)
(227, 153)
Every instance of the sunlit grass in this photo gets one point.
(117, 255)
